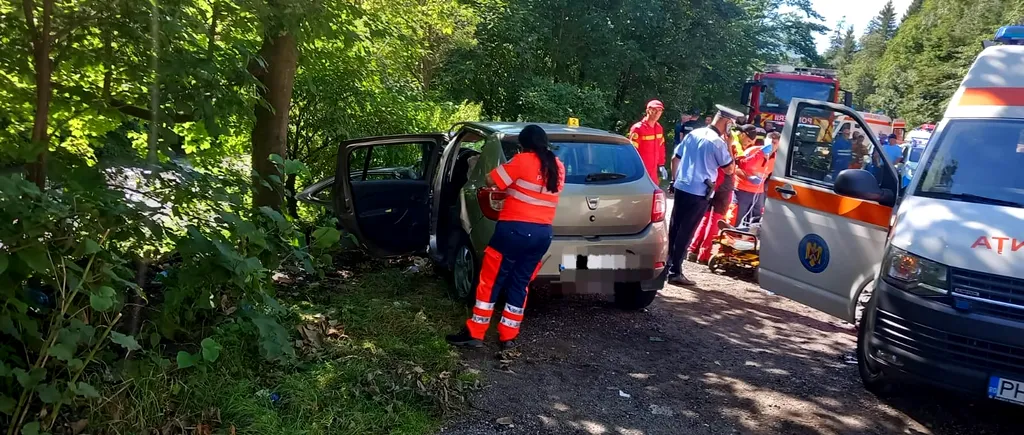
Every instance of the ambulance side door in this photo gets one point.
(817, 247)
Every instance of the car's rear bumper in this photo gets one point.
(641, 259)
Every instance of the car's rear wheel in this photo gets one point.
(630, 297)
(465, 270)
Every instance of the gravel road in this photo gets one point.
(719, 359)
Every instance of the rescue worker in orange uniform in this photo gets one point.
(649, 139)
(532, 181)
(752, 171)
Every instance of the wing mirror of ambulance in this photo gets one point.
(861, 184)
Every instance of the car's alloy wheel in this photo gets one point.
(464, 273)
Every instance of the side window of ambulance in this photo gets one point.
(818, 152)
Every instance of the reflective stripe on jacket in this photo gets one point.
(527, 200)
(649, 141)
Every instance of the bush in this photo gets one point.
(74, 264)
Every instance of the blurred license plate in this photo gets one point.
(1007, 390)
(593, 262)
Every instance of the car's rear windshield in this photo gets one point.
(977, 160)
(592, 163)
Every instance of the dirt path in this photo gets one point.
(725, 358)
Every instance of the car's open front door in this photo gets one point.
(382, 191)
(817, 247)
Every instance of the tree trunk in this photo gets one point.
(270, 133)
(134, 322)
(293, 203)
(44, 90)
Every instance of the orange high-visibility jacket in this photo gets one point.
(527, 200)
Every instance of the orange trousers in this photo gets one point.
(511, 260)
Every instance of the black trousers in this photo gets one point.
(687, 211)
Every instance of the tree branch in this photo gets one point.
(30, 18)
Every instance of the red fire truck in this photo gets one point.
(767, 96)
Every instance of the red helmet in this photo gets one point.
(655, 104)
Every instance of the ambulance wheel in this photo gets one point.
(465, 270)
(871, 374)
(630, 297)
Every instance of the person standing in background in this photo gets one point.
(842, 152)
(752, 169)
(649, 139)
(892, 150)
(691, 122)
(679, 133)
(695, 166)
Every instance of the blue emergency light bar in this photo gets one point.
(1010, 35)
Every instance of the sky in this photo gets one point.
(857, 12)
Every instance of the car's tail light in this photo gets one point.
(491, 200)
(658, 206)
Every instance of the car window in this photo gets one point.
(915, 154)
(389, 162)
(977, 161)
(471, 140)
(819, 153)
(594, 163)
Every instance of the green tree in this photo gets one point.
(885, 22)
(926, 61)
(914, 7)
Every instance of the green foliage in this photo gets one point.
(546, 60)
(67, 278)
(57, 287)
(377, 364)
(144, 228)
(914, 73)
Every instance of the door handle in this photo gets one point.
(786, 191)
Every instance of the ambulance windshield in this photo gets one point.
(977, 160)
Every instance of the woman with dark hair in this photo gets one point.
(532, 181)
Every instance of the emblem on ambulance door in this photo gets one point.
(813, 253)
(592, 202)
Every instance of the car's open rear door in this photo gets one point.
(382, 191)
(817, 247)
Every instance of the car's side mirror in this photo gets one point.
(847, 98)
(860, 184)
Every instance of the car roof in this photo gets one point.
(554, 131)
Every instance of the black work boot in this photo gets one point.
(508, 345)
(463, 339)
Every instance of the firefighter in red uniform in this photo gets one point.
(532, 181)
(649, 140)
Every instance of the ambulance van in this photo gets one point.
(940, 262)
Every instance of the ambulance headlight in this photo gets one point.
(914, 274)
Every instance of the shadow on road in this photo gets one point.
(726, 358)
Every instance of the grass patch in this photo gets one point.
(371, 359)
